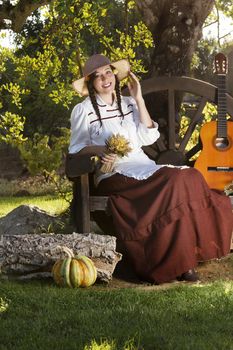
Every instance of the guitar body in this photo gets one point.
(215, 161)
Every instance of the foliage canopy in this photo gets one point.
(35, 93)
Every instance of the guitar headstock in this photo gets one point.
(220, 64)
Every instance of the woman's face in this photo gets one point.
(104, 81)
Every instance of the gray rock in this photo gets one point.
(27, 219)
(32, 256)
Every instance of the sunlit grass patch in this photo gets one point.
(3, 305)
(49, 203)
(110, 345)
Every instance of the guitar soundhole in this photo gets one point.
(221, 142)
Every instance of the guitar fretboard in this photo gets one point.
(222, 107)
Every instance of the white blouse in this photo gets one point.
(86, 130)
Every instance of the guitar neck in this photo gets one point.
(222, 107)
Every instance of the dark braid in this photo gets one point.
(91, 91)
(118, 96)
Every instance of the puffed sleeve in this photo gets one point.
(146, 136)
(80, 136)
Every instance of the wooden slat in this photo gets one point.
(80, 163)
(230, 105)
(186, 84)
(161, 145)
(150, 151)
(193, 151)
(231, 198)
(171, 119)
(98, 203)
(85, 208)
(197, 117)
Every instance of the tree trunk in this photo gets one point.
(176, 27)
(30, 256)
(16, 13)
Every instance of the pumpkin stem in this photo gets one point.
(66, 250)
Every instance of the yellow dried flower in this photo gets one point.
(228, 189)
(118, 145)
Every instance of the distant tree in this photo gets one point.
(203, 58)
(220, 7)
(53, 51)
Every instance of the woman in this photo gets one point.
(167, 217)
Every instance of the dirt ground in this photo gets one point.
(211, 271)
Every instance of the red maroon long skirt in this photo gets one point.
(169, 222)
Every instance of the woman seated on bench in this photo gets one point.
(167, 217)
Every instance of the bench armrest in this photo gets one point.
(77, 164)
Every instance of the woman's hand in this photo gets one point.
(108, 158)
(134, 87)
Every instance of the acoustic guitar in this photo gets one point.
(215, 161)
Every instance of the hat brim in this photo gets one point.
(122, 67)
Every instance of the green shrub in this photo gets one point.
(44, 154)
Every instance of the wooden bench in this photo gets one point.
(79, 168)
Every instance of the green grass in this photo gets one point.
(49, 203)
(41, 316)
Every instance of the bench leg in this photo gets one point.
(80, 204)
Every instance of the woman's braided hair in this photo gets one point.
(118, 96)
(91, 91)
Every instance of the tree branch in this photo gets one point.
(14, 16)
(218, 23)
(209, 24)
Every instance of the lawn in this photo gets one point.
(33, 191)
(51, 203)
(38, 315)
(42, 316)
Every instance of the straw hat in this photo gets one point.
(95, 62)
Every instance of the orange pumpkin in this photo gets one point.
(74, 271)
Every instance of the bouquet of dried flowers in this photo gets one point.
(118, 145)
(228, 189)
